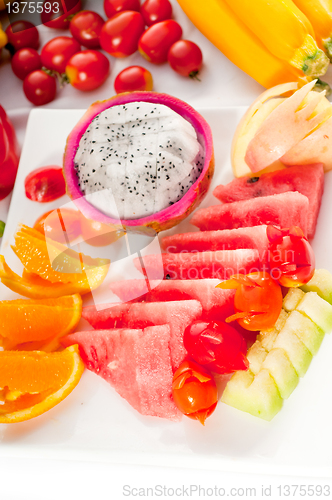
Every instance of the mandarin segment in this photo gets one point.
(39, 380)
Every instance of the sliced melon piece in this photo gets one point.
(321, 283)
(297, 352)
(256, 355)
(307, 331)
(318, 310)
(292, 299)
(280, 323)
(254, 394)
(283, 372)
(268, 337)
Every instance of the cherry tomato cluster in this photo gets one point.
(121, 35)
(124, 32)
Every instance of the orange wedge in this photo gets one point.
(38, 324)
(33, 382)
(51, 260)
(34, 287)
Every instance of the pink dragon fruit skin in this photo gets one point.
(169, 217)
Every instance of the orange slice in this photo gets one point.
(38, 324)
(34, 287)
(53, 261)
(33, 382)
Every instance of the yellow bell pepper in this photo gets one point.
(284, 30)
(228, 33)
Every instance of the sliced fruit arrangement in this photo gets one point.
(276, 131)
(281, 355)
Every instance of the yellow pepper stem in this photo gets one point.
(310, 59)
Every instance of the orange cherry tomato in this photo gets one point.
(97, 234)
(62, 225)
(194, 391)
(257, 301)
(291, 257)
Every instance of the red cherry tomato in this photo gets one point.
(25, 61)
(97, 234)
(57, 52)
(156, 41)
(154, 11)
(45, 184)
(291, 257)
(194, 391)
(133, 78)
(257, 301)
(185, 58)
(86, 27)
(56, 13)
(39, 87)
(113, 7)
(62, 225)
(120, 34)
(217, 346)
(87, 70)
(23, 34)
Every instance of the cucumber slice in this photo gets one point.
(317, 309)
(306, 330)
(254, 394)
(292, 299)
(281, 369)
(321, 283)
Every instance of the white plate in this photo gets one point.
(96, 424)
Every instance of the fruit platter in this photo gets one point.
(165, 268)
(94, 421)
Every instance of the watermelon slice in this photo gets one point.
(220, 264)
(217, 304)
(178, 315)
(109, 317)
(228, 239)
(284, 210)
(307, 180)
(144, 378)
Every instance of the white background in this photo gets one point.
(221, 84)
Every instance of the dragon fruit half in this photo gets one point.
(139, 160)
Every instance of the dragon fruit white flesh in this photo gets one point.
(147, 155)
(136, 159)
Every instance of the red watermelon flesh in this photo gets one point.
(307, 180)
(284, 210)
(136, 363)
(220, 264)
(227, 239)
(178, 315)
(217, 304)
(109, 317)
